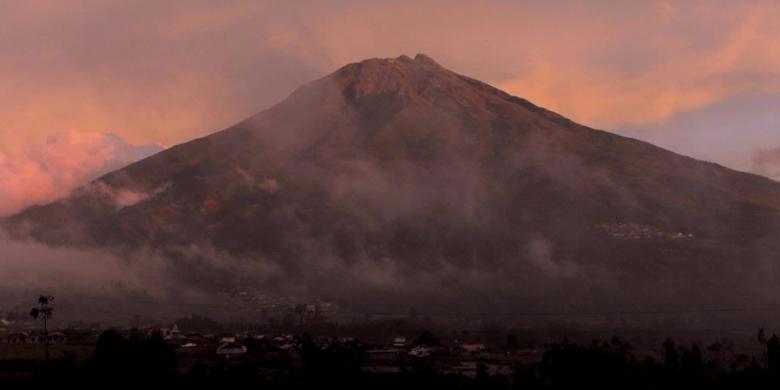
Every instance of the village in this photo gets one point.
(635, 231)
(281, 353)
(402, 349)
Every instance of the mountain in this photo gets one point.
(396, 180)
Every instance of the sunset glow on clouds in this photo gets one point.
(681, 75)
(44, 172)
(168, 71)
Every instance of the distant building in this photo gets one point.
(57, 338)
(17, 338)
(230, 350)
(382, 369)
(34, 338)
(174, 335)
(399, 342)
(173, 331)
(421, 352)
(473, 348)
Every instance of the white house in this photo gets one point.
(229, 350)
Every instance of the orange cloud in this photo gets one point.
(171, 71)
(746, 59)
(605, 65)
(45, 172)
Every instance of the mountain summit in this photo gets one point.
(397, 179)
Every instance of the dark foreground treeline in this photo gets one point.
(143, 359)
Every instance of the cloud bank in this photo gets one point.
(767, 163)
(44, 172)
(171, 71)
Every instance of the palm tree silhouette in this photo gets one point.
(44, 311)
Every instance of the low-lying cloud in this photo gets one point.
(28, 265)
(123, 197)
(44, 172)
(767, 162)
(112, 286)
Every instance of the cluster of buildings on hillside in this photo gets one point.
(35, 338)
(284, 351)
(396, 355)
(635, 231)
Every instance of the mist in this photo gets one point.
(767, 162)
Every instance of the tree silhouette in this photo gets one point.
(671, 359)
(138, 358)
(427, 338)
(44, 311)
(773, 355)
(761, 336)
(512, 345)
(692, 364)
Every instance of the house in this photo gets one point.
(172, 334)
(25, 338)
(421, 352)
(17, 338)
(467, 369)
(176, 339)
(473, 348)
(382, 369)
(287, 347)
(229, 350)
(384, 356)
(57, 338)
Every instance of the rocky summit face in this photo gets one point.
(396, 180)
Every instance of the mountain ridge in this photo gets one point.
(397, 176)
(514, 99)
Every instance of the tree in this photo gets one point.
(138, 358)
(671, 359)
(482, 380)
(692, 364)
(773, 355)
(426, 338)
(512, 345)
(762, 341)
(43, 312)
(761, 336)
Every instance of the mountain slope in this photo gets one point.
(398, 178)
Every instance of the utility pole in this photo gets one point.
(44, 311)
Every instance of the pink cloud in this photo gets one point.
(176, 70)
(44, 172)
(170, 71)
(683, 76)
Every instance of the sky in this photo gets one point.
(90, 85)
